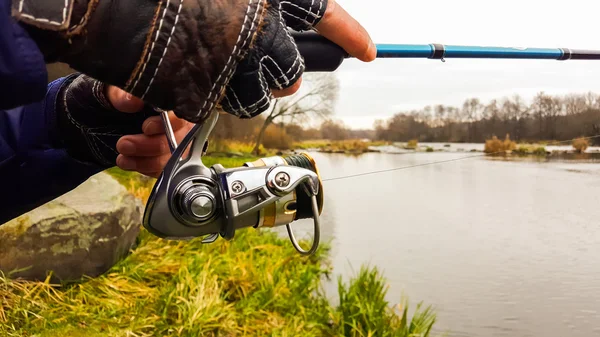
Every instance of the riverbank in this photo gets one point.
(352, 146)
(233, 149)
(254, 285)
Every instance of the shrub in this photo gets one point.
(430, 149)
(277, 138)
(352, 145)
(539, 151)
(412, 144)
(580, 145)
(525, 150)
(495, 145)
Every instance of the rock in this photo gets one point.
(82, 233)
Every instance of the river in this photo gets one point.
(499, 248)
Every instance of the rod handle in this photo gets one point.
(319, 53)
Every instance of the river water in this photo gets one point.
(499, 248)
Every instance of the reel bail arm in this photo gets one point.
(190, 200)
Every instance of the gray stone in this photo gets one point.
(82, 233)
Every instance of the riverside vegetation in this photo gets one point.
(495, 146)
(254, 285)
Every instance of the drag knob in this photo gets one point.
(199, 203)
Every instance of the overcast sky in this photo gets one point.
(378, 90)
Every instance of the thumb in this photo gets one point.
(123, 101)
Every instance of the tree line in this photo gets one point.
(547, 117)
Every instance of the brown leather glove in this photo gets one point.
(178, 55)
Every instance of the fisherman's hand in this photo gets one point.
(148, 152)
(105, 126)
(184, 55)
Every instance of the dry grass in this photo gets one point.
(254, 285)
(277, 138)
(229, 146)
(496, 146)
(339, 146)
(580, 145)
(530, 150)
(412, 144)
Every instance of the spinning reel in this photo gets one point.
(190, 200)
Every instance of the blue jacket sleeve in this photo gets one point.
(34, 166)
(23, 74)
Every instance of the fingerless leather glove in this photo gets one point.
(89, 126)
(181, 55)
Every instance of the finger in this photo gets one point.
(341, 28)
(142, 164)
(247, 93)
(154, 125)
(288, 91)
(282, 64)
(143, 146)
(123, 101)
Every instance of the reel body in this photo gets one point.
(190, 200)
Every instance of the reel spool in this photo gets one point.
(296, 205)
(190, 200)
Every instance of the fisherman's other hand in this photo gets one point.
(106, 126)
(181, 55)
(148, 152)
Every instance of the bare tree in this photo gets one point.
(575, 104)
(548, 117)
(334, 130)
(555, 109)
(540, 107)
(316, 98)
(471, 111)
(592, 101)
(491, 114)
(515, 112)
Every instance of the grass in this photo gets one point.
(496, 146)
(274, 144)
(363, 310)
(339, 146)
(412, 144)
(230, 146)
(580, 145)
(530, 150)
(254, 285)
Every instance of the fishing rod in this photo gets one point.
(322, 55)
(190, 200)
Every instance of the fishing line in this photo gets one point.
(437, 162)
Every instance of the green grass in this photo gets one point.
(341, 146)
(228, 162)
(412, 144)
(530, 150)
(363, 310)
(254, 285)
(127, 178)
